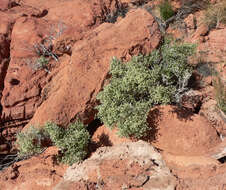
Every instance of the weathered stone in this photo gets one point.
(181, 132)
(75, 87)
(129, 165)
(38, 172)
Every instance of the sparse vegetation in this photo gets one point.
(166, 10)
(215, 14)
(42, 62)
(145, 81)
(220, 93)
(31, 141)
(72, 142)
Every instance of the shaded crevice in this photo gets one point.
(25, 99)
(194, 81)
(198, 107)
(4, 63)
(93, 126)
(3, 71)
(13, 4)
(4, 66)
(40, 15)
(140, 3)
(141, 185)
(222, 160)
(14, 82)
(120, 12)
(8, 122)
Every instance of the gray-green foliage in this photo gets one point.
(42, 62)
(73, 141)
(166, 10)
(220, 93)
(215, 14)
(145, 81)
(31, 141)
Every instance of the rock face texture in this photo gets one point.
(216, 117)
(22, 85)
(104, 136)
(38, 172)
(182, 133)
(126, 166)
(84, 35)
(80, 13)
(76, 85)
(196, 172)
(4, 4)
(70, 26)
(215, 45)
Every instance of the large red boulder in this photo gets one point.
(196, 172)
(38, 172)
(182, 133)
(79, 13)
(126, 166)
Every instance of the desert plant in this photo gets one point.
(215, 14)
(145, 81)
(166, 10)
(220, 93)
(31, 141)
(42, 62)
(73, 141)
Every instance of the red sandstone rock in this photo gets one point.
(129, 165)
(4, 4)
(201, 178)
(215, 46)
(196, 172)
(22, 84)
(104, 136)
(5, 35)
(36, 173)
(79, 13)
(181, 133)
(218, 151)
(213, 114)
(76, 85)
(75, 82)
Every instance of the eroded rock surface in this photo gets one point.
(75, 87)
(85, 43)
(126, 166)
(104, 136)
(197, 172)
(183, 133)
(25, 24)
(38, 172)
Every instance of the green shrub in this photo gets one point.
(215, 14)
(220, 93)
(166, 10)
(42, 62)
(145, 81)
(73, 141)
(31, 141)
